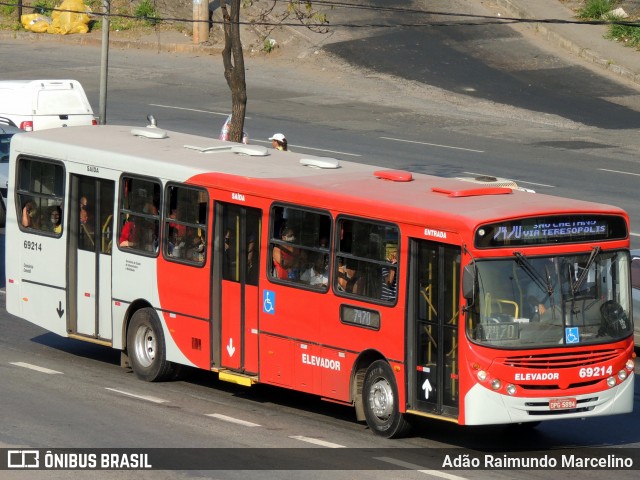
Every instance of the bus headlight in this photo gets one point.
(482, 375)
(611, 381)
(496, 384)
(630, 365)
(622, 375)
(511, 389)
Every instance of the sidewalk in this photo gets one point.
(586, 41)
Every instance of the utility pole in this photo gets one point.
(104, 63)
(201, 21)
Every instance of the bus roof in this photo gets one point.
(287, 176)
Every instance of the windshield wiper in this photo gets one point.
(545, 284)
(576, 286)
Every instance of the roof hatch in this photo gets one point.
(251, 150)
(394, 175)
(473, 192)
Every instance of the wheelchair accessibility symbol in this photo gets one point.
(269, 301)
(572, 335)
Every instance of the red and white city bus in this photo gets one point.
(398, 293)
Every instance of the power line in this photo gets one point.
(481, 20)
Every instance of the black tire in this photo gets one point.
(146, 348)
(380, 398)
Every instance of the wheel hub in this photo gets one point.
(381, 399)
(145, 346)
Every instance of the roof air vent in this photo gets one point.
(320, 162)
(490, 181)
(149, 132)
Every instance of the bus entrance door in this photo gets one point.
(433, 327)
(235, 325)
(91, 217)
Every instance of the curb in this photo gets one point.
(552, 36)
(132, 44)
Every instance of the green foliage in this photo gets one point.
(7, 10)
(147, 11)
(94, 5)
(596, 9)
(44, 7)
(628, 34)
(268, 45)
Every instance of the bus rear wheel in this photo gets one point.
(380, 397)
(146, 347)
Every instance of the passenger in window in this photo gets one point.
(55, 219)
(86, 233)
(252, 260)
(180, 229)
(348, 278)
(228, 257)
(389, 280)
(195, 250)
(149, 235)
(316, 274)
(285, 258)
(150, 206)
(129, 236)
(29, 212)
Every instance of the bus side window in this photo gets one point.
(367, 260)
(299, 247)
(40, 189)
(185, 224)
(139, 215)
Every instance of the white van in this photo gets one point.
(40, 104)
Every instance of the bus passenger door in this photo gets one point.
(91, 227)
(234, 340)
(433, 317)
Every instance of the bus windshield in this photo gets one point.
(524, 302)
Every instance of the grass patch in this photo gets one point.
(147, 12)
(629, 35)
(596, 9)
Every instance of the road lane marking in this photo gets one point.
(222, 114)
(432, 144)
(141, 397)
(37, 368)
(232, 420)
(418, 468)
(312, 148)
(316, 441)
(618, 171)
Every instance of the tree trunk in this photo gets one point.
(233, 60)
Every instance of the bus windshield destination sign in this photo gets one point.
(551, 230)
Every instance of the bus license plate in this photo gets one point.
(562, 403)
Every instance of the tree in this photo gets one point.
(233, 56)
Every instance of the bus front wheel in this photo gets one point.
(380, 398)
(146, 347)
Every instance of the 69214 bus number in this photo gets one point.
(589, 372)
(29, 245)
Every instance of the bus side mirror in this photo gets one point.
(468, 280)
